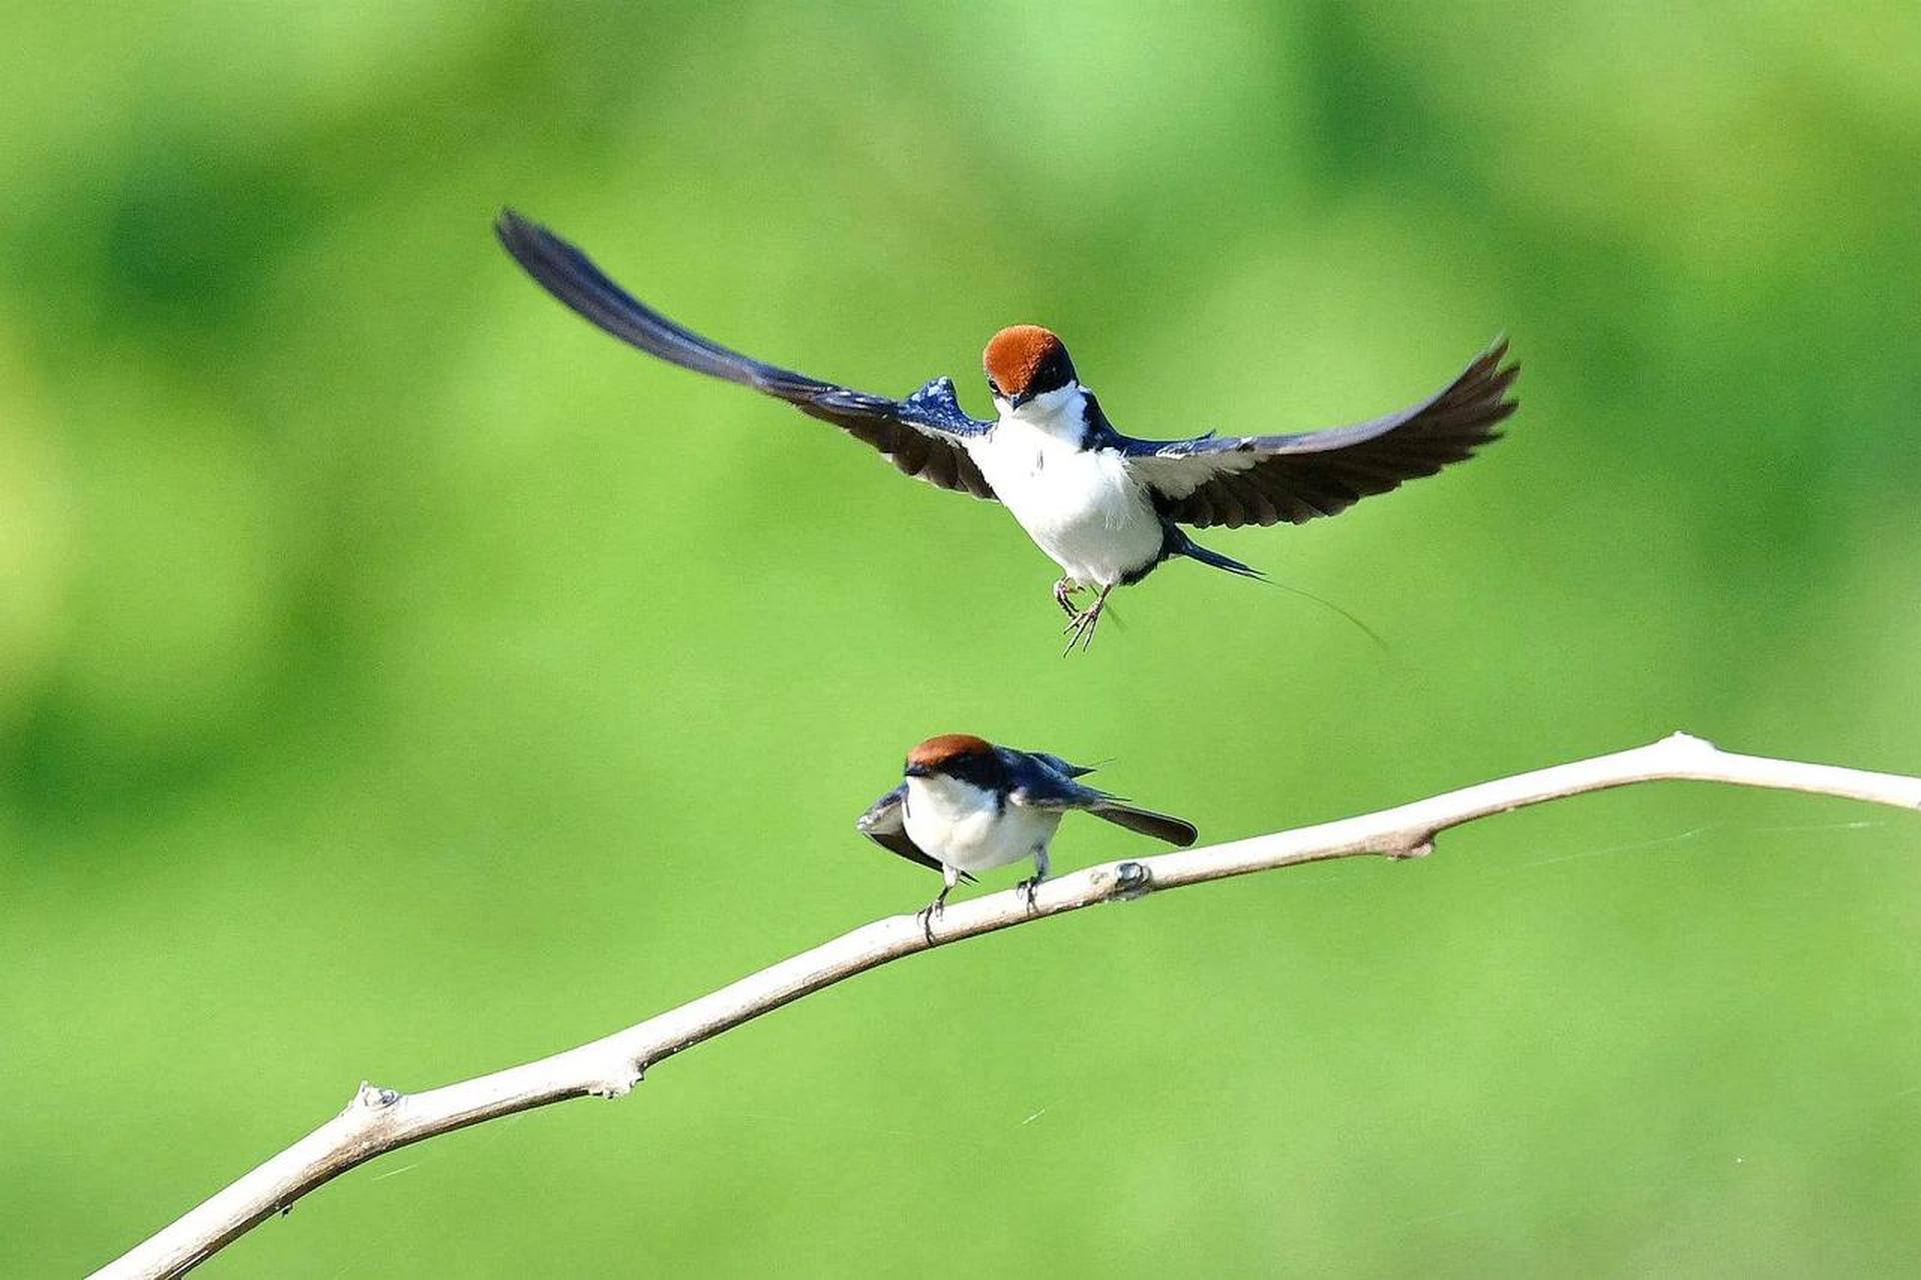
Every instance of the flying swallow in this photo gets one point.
(966, 805)
(1106, 507)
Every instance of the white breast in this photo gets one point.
(1079, 505)
(962, 826)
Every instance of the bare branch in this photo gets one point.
(379, 1120)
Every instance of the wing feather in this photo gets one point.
(1048, 782)
(1237, 480)
(921, 435)
(885, 823)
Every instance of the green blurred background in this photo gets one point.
(399, 680)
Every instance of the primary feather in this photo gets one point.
(1236, 480)
(921, 435)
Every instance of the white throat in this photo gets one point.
(939, 798)
(1061, 413)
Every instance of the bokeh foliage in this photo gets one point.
(399, 680)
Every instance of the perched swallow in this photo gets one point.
(966, 805)
(1107, 508)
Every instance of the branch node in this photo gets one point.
(616, 1086)
(1680, 738)
(1413, 847)
(1131, 880)
(373, 1097)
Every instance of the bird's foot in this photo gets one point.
(1080, 629)
(1064, 591)
(1028, 888)
(928, 914)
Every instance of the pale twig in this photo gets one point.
(379, 1120)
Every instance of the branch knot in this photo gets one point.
(373, 1097)
(1131, 880)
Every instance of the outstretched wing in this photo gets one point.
(1047, 782)
(1237, 480)
(920, 435)
(885, 824)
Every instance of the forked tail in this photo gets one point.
(1182, 545)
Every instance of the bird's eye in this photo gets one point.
(994, 389)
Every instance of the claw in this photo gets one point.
(932, 912)
(1064, 597)
(1080, 628)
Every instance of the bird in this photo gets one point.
(965, 805)
(1107, 508)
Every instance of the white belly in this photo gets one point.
(1080, 506)
(961, 826)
